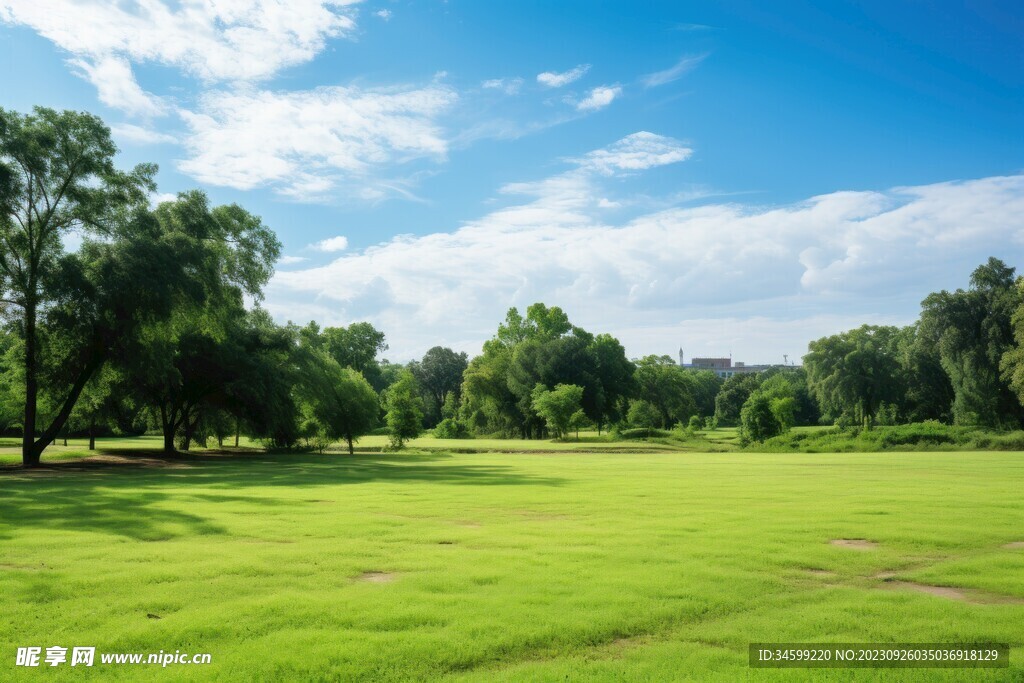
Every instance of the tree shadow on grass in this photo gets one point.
(144, 495)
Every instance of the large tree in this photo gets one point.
(439, 375)
(558, 407)
(854, 372)
(185, 364)
(1012, 363)
(404, 406)
(356, 346)
(58, 179)
(337, 402)
(972, 331)
(733, 395)
(666, 386)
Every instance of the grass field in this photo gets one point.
(510, 566)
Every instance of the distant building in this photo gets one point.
(724, 367)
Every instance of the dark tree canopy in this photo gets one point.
(972, 331)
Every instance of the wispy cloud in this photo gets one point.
(384, 14)
(552, 79)
(127, 132)
(510, 86)
(674, 72)
(304, 143)
(291, 260)
(116, 85)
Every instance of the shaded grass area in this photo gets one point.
(589, 442)
(609, 566)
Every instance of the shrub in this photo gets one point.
(451, 428)
(757, 420)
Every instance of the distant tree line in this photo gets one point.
(145, 326)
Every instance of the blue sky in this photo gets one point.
(724, 177)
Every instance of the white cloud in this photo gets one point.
(384, 14)
(303, 143)
(158, 198)
(510, 86)
(763, 280)
(674, 72)
(552, 79)
(599, 97)
(635, 152)
(140, 136)
(117, 87)
(332, 244)
(213, 39)
(291, 260)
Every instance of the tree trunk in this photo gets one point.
(50, 433)
(29, 453)
(92, 434)
(167, 424)
(351, 450)
(238, 429)
(190, 427)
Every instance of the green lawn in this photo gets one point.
(510, 566)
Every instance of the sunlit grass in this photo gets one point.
(517, 566)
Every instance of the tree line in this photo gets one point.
(150, 321)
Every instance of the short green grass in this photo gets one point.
(509, 566)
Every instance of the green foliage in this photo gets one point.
(972, 331)
(356, 346)
(694, 424)
(57, 175)
(920, 436)
(854, 372)
(404, 406)
(439, 375)
(559, 407)
(643, 414)
(336, 402)
(544, 348)
(209, 350)
(1012, 362)
(450, 428)
(734, 393)
(757, 419)
(667, 387)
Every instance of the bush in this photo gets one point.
(920, 436)
(450, 428)
(757, 420)
(644, 433)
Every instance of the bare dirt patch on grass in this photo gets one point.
(1015, 545)
(377, 577)
(818, 572)
(968, 595)
(854, 543)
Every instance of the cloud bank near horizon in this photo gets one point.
(759, 281)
